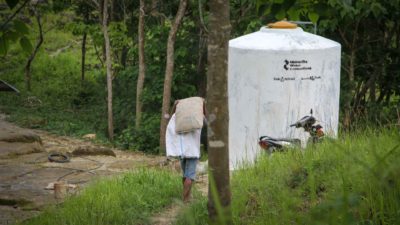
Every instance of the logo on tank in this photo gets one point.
(300, 67)
(296, 65)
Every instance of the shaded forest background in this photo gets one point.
(54, 52)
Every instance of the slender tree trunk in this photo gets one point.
(103, 46)
(219, 194)
(33, 54)
(109, 71)
(347, 105)
(351, 45)
(382, 94)
(154, 5)
(142, 66)
(370, 84)
(84, 39)
(124, 56)
(113, 12)
(169, 73)
(201, 65)
(83, 56)
(154, 8)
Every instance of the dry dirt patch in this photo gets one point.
(25, 170)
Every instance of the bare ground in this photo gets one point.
(25, 171)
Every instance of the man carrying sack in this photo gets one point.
(183, 138)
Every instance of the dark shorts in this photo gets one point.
(188, 166)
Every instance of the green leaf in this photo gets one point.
(21, 27)
(259, 3)
(288, 4)
(294, 14)
(266, 11)
(322, 9)
(12, 3)
(280, 15)
(275, 8)
(25, 44)
(262, 8)
(313, 17)
(4, 45)
(377, 9)
(11, 35)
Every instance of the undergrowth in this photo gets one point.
(352, 180)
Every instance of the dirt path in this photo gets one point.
(170, 214)
(26, 172)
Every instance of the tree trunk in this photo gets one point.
(33, 54)
(351, 45)
(103, 46)
(84, 38)
(169, 73)
(219, 194)
(142, 66)
(109, 71)
(124, 56)
(83, 56)
(201, 65)
(347, 105)
(369, 85)
(154, 8)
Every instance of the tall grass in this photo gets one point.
(129, 199)
(352, 180)
(195, 214)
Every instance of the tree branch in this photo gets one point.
(353, 44)
(96, 4)
(13, 15)
(33, 54)
(345, 69)
(201, 17)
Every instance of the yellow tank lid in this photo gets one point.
(283, 24)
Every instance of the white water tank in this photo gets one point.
(275, 76)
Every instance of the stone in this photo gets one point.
(93, 150)
(89, 136)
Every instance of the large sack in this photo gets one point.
(189, 114)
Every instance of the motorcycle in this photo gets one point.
(316, 132)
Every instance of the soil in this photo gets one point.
(27, 175)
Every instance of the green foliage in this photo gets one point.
(146, 138)
(21, 27)
(16, 31)
(56, 71)
(128, 199)
(81, 106)
(59, 102)
(118, 35)
(353, 180)
(12, 3)
(25, 44)
(244, 18)
(15, 27)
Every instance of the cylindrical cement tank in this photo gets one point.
(275, 76)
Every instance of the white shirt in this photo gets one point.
(185, 145)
